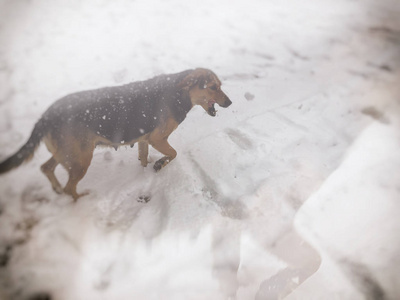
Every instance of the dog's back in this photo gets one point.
(122, 113)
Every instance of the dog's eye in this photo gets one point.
(213, 87)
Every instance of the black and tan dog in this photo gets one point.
(146, 112)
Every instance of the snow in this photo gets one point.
(291, 192)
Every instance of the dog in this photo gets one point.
(143, 112)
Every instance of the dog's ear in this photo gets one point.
(202, 82)
(192, 79)
(189, 81)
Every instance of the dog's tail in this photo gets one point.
(26, 151)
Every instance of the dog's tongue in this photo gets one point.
(211, 108)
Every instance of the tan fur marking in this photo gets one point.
(158, 139)
(143, 152)
(74, 152)
(48, 169)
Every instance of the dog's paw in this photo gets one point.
(76, 196)
(158, 165)
(58, 189)
(144, 163)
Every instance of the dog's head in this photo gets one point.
(205, 89)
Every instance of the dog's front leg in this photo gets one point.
(143, 153)
(165, 148)
(159, 140)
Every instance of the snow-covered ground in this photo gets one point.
(293, 191)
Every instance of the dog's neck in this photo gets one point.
(181, 105)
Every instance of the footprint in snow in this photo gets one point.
(239, 138)
(143, 199)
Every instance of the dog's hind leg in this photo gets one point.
(74, 153)
(48, 170)
(143, 153)
(77, 170)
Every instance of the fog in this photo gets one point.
(289, 193)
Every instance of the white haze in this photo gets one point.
(291, 192)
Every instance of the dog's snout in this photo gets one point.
(227, 102)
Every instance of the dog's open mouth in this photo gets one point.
(211, 108)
